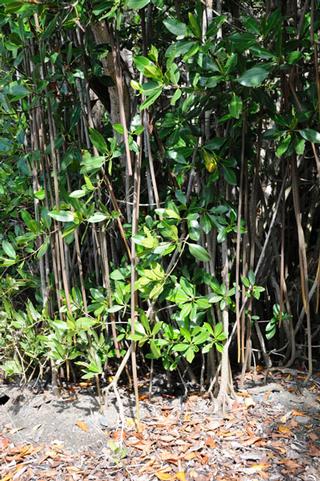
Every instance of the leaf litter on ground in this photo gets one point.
(273, 437)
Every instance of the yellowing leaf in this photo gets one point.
(283, 429)
(256, 468)
(181, 476)
(210, 160)
(82, 425)
(163, 476)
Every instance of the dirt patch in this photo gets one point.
(75, 421)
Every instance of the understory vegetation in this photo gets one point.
(159, 188)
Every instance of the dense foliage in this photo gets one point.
(159, 186)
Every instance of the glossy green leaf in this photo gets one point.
(44, 247)
(199, 252)
(235, 106)
(97, 217)
(77, 194)
(311, 135)
(150, 100)
(254, 77)
(230, 176)
(137, 4)
(62, 215)
(176, 27)
(283, 146)
(98, 141)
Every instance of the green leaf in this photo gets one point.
(176, 27)
(189, 355)
(44, 247)
(62, 215)
(181, 197)
(164, 248)
(300, 145)
(251, 277)
(175, 97)
(235, 106)
(194, 25)
(98, 140)
(9, 249)
(294, 57)
(215, 25)
(219, 347)
(311, 135)
(215, 143)
(150, 100)
(156, 353)
(203, 303)
(117, 275)
(115, 308)
(137, 4)
(229, 176)
(253, 77)
(89, 184)
(218, 330)
(153, 72)
(142, 62)
(77, 194)
(40, 194)
(97, 217)
(270, 331)
(168, 213)
(5, 145)
(180, 347)
(135, 85)
(85, 323)
(16, 90)
(199, 252)
(214, 298)
(283, 146)
(118, 128)
(90, 163)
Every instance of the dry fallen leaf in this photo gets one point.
(290, 464)
(85, 384)
(82, 425)
(143, 397)
(163, 476)
(167, 438)
(210, 442)
(4, 442)
(313, 436)
(169, 457)
(249, 442)
(314, 451)
(213, 425)
(116, 435)
(249, 402)
(243, 394)
(297, 413)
